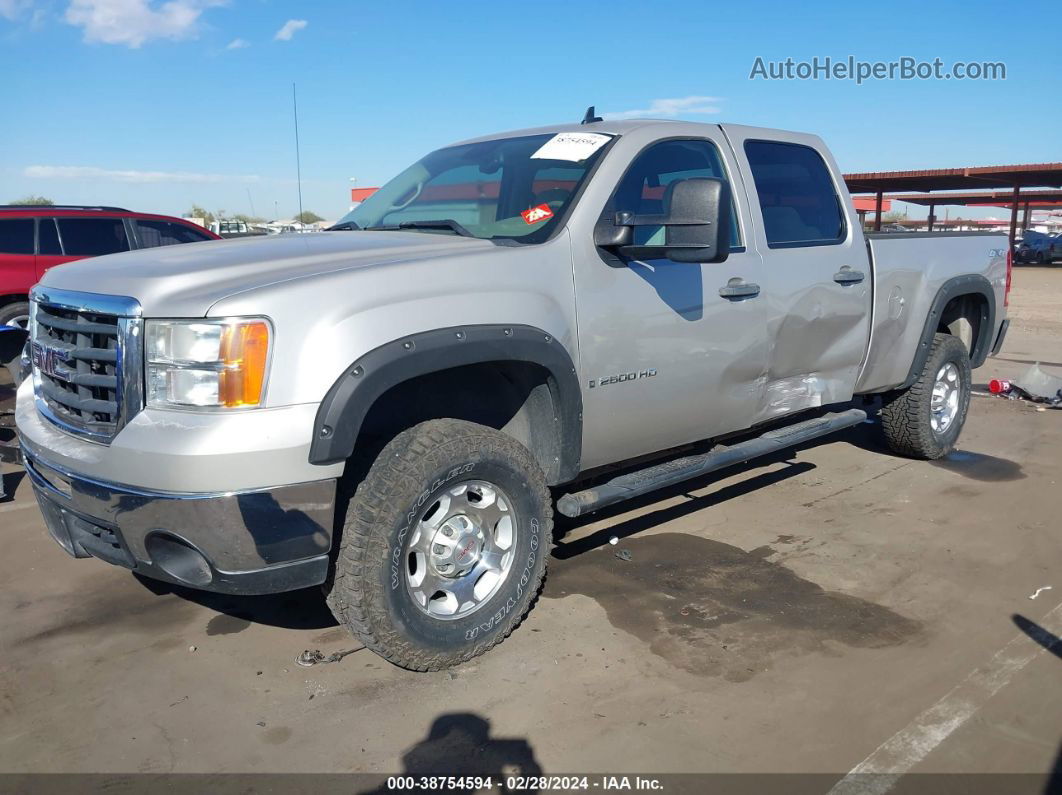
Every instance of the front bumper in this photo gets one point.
(249, 542)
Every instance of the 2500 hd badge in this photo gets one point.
(622, 378)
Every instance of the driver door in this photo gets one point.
(666, 359)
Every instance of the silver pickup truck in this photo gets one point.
(601, 309)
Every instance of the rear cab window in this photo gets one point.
(93, 237)
(798, 199)
(16, 236)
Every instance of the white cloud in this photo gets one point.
(141, 177)
(289, 29)
(12, 9)
(133, 22)
(238, 44)
(670, 108)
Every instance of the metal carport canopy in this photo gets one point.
(1015, 177)
(987, 198)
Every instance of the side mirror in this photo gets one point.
(696, 223)
(613, 233)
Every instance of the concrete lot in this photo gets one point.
(790, 616)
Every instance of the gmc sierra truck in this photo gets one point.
(601, 309)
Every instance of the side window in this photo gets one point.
(799, 203)
(91, 237)
(16, 236)
(166, 233)
(48, 238)
(641, 191)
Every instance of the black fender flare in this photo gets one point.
(343, 410)
(970, 284)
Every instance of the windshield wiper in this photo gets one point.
(442, 223)
(343, 226)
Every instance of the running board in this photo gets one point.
(635, 484)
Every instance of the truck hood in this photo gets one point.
(186, 280)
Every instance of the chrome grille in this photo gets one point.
(86, 360)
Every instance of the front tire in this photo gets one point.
(444, 545)
(15, 314)
(925, 420)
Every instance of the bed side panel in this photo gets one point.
(909, 271)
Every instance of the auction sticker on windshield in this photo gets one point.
(572, 146)
(536, 214)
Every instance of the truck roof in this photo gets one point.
(617, 127)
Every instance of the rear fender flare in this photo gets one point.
(971, 284)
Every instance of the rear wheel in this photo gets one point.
(443, 545)
(924, 420)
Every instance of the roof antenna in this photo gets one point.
(590, 117)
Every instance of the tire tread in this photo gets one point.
(398, 472)
(905, 418)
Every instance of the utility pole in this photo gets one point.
(298, 162)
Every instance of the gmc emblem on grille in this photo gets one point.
(51, 361)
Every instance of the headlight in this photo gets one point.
(204, 364)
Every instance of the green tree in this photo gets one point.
(200, 212)
(248, 219)
(39, 201)
(308, 217)
(894, 217)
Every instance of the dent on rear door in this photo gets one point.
(818, 315)
(817, 328)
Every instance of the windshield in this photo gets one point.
(508, 188)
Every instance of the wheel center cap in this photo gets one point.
(456, 546)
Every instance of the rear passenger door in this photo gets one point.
(817, 280)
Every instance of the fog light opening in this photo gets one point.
(179, 559)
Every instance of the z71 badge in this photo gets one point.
(622, 378)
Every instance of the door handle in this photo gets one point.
(736, 288)
(848, 276)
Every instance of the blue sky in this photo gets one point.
(157, 105)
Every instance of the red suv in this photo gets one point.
(35, 238)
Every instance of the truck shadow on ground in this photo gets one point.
(975, 466)
(302, 610)
(459, 745)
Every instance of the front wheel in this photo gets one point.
(444, 545)
(15, 314)
(924, 420)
